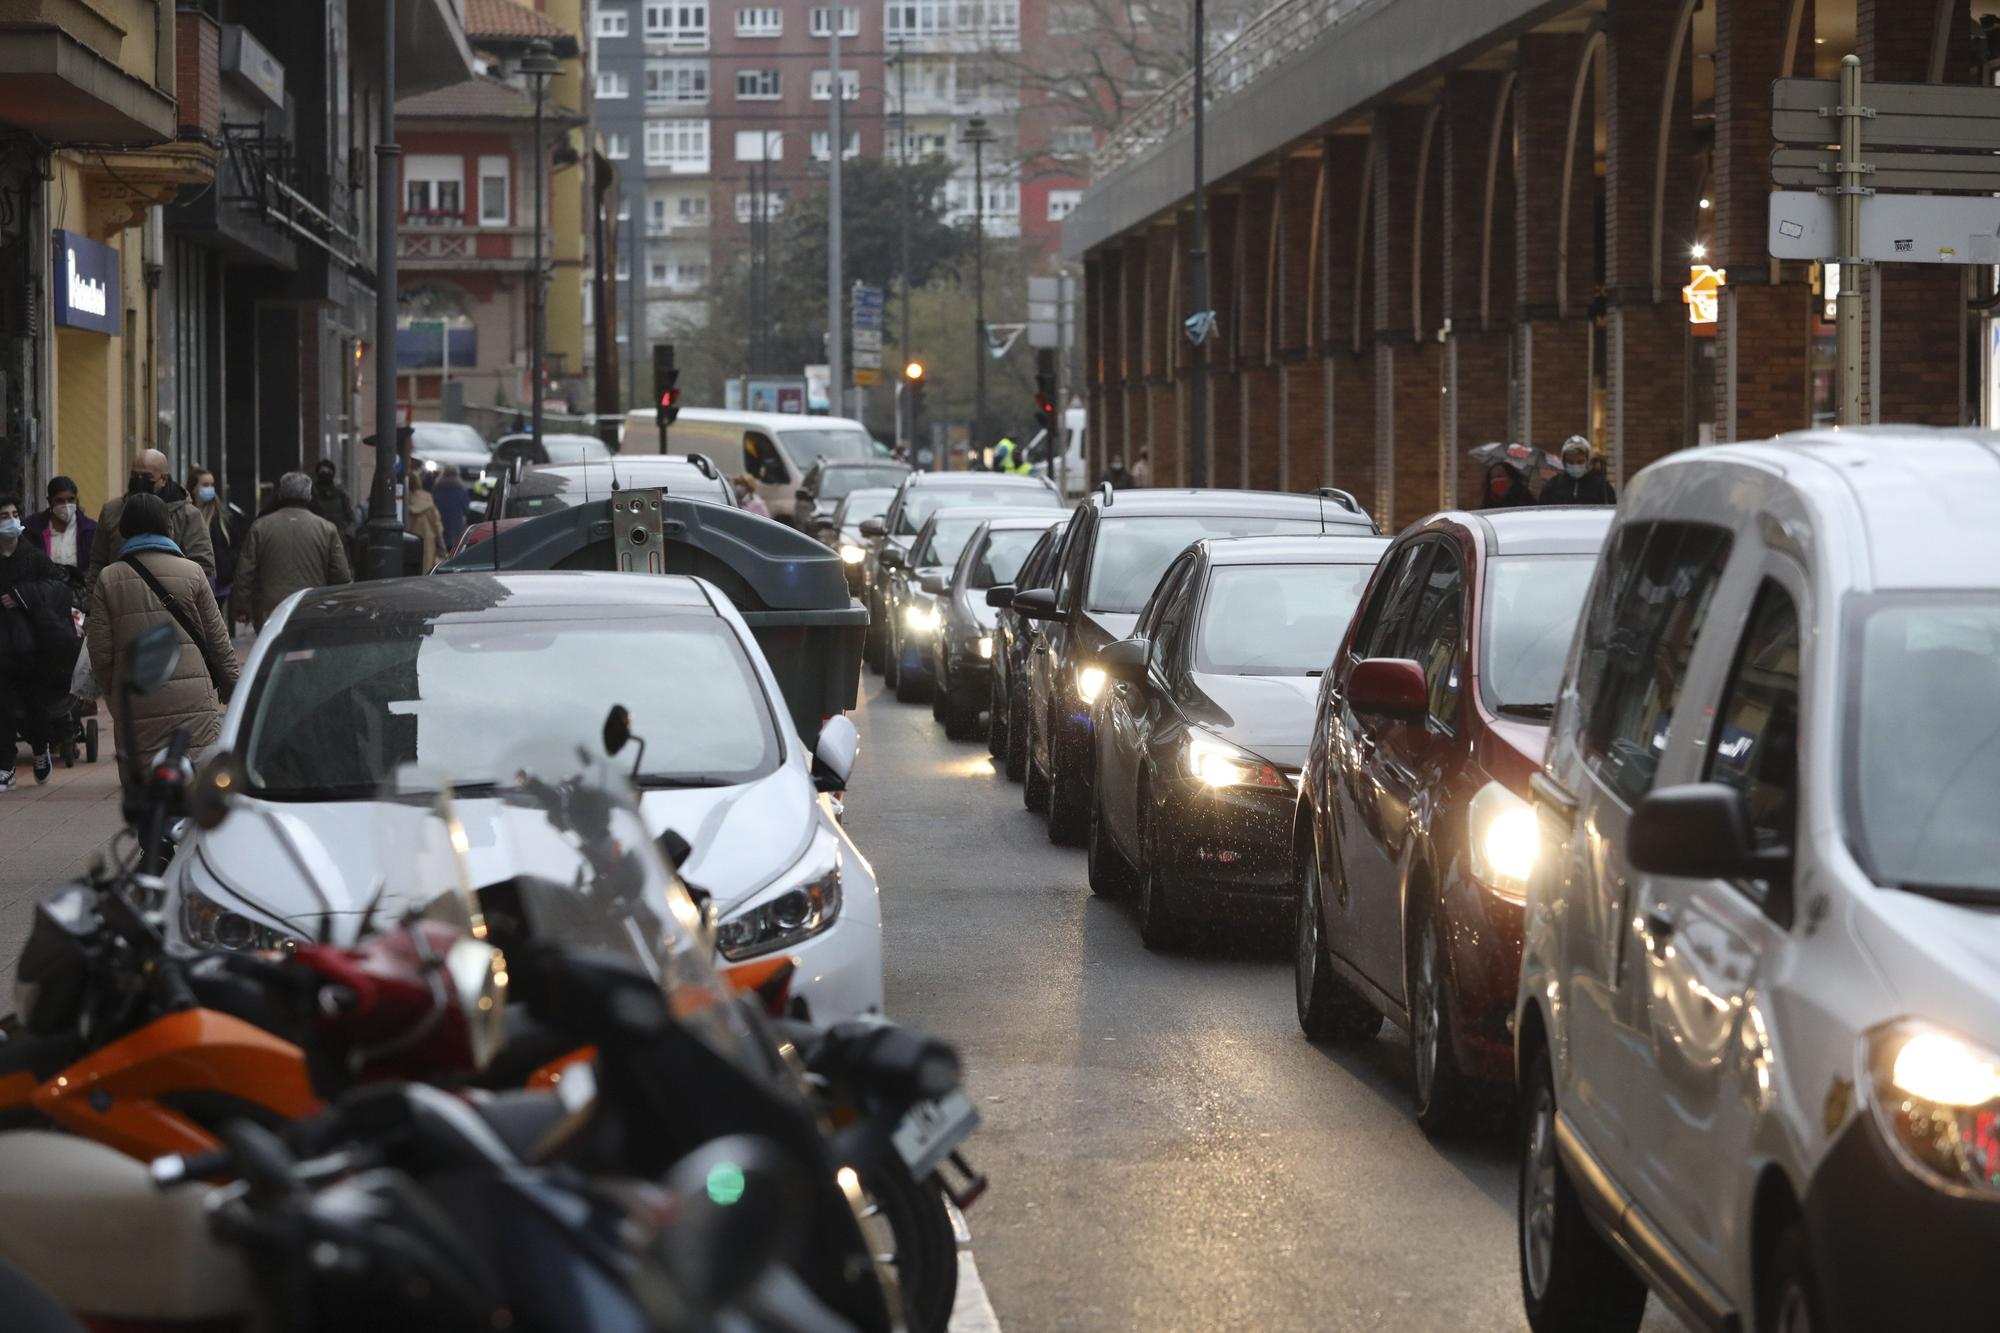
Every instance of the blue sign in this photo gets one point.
(86, 285)
(867, 307)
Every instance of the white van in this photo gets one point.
(775, 447)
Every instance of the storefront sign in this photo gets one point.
(1703, 293)
(86, 285)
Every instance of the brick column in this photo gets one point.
(1552, 382)
(1916, 372)
(1302, 422)
(1474, 402)
(1225, 428)
(1347, 339)
(1263, 388)
(1406, 363)
(1763, 354)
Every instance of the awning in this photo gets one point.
(62, 91)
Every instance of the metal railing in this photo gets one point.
(1280, 33)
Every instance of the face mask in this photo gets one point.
(205, 494)
(1498, 486)
(138, 484)
(1576, 469)
(10, 528)
(66, 512)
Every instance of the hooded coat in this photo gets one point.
(288, 549)
(122, 608)
(187, 525)
(1592, 488)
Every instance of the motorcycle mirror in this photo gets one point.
(617, 729)
(675, 848)
(742, 1201)
(215, 789)
(156, 655)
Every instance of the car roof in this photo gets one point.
(932, 480)
(771, 421)
(568, 594)
(835, 464)
(625, 471)
(1926, 499)
(1289, 549)
(1032, 519)
(984, 513)
(1227, 504)
(1557, 530)
(512, 436)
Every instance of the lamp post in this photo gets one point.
(903, 435)
(1198, 265)
(385, 528)
(836, 363)
(539, 65)
(978, 133)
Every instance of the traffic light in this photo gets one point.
(913, 393)
(1045, 390)
(666, 389)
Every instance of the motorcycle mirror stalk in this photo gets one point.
(618, 732)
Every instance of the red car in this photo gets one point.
(1414, 837)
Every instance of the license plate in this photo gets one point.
(931, 1130)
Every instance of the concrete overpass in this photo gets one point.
(1437, 223)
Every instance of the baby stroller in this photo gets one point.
(76, 724)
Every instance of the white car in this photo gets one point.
(1758, 1029)
(353, 693)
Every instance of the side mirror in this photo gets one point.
(156, 655)
(934, 584)
(1389, 686)
(1035, 604)
(1000, 597)
(839, 743)
(617, 729)
(1702, 830)
(1125, 659)
(216, 788)
(889, 558)
(874, 529)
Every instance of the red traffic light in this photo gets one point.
(670, 398)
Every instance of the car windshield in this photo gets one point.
(1132, 553)
(449, 436)
(1001, 561)
(1923, 741)
(919, 505)
(840, 481)
(1276, 620)
(1532, 605)
(947, 542)
(835, 445)
(342, 703)
(860, 506)
(575, 448)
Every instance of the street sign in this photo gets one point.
(1895, 228)
(867, 340)
(1000, 338)
(866, 377)
(1961, 117)
(1816, 168)
(867, 360)
(867, 303)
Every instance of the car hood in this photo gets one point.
(1939, 960)
(743, 837)
(1267, 715)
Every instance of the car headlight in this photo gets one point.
(210, 925)
(921, 616)
(1506, 837)
(1217, 763)
(852, 554)
(799, 907)
(985, 646)
(1089, 683)
(1936, 1098)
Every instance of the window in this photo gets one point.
(682, 22)
(1435, 631)
(1638, 637)
(1387, 614)
(690, 273)
(1073, 141)
(1169, 615)
(624, 211)
(676, 82)
(747, 206)
(618, 147)
(612, 84)
(1756, 745)
(850, 144)
(692, 207)
(757, 85)
(1070, 18)
(1062, 203)
(822, 84)
(680, 144)
(614, 22)
(656, 214)
(760, 22)
(913, 19)
(495, 208)
(434, 190)
(850, 22)
(656, 273)
(624, 269)
(760, 145)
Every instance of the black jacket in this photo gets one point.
(1592, 488)
(1517, 494)
(38, 628)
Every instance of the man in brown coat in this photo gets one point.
(123, 606)
(289, 548)
(186, 525)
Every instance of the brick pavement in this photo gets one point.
(47, 835)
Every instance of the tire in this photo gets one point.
(1069, 815)
(961, 714)
(1328, 1009)
(892, 658)
(1158, 927)
(1572, 1281)
(926, 1258)
(1016, 765)
(911, 688)
(996, 720)
(1788, 1294)
(1111, 875)
(1444, 1096)
(872, 642)
(940, 691)
(1034, 783)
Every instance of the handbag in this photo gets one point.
(184, 620)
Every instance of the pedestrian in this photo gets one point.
(148, 583)
(1009, 457)
(37, 644)
(63, 531)
(228, 525)
(1506, 488)
(420, 512)
(1117, 475)
(747, 497)
(1577, 484)
(289, 548)
(454, 503)
(187, 527)
(330, 502)
(1142, 468)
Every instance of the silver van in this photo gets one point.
(777, 448)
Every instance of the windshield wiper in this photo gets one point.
(1966, 895)
(1539, 712)
(684, 781)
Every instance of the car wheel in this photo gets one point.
(1017, 742)
(872, 642)
(892, 654)
(1443, 1092)
(1111, 874)
(912, 687)
(1788, 1297)
(1069, 815)
(961, 714)
(1034, 783)
(940, 691)
(1328, 1009)
(996, 721)
(1572, 1281)
(1158, 927)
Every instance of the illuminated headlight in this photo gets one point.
(921, 617)
(985, 646)
(853, 555)
(209, 925)
(1217, 763)
(1089, 683)
(797, 908)
(1936, 1098)
(1506, 837)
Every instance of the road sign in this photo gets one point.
(867, 377)
(867, 360)
(1816, 168)
(1962, 117)
(867, 340)
(1895, 228)
(1000, 338)
(867, 303)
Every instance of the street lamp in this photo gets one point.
(385, 526)
(1198, 264)
(978, 133)
(539, 65)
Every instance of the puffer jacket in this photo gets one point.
(122, 608)
(288, 549)
(187, 525)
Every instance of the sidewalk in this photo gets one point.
(48, 835)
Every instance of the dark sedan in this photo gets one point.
(915, 585)
(1203, 725)
(963, 651)
(842, 529)
(1014, 637)
(829, 481)
(1414, 836)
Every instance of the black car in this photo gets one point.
(912, 590)
(828, 482)
(1112, 556)
(1013, 638)
(962, 651)
(566, 447)
(451, 444)
(921, 495)
(1204, 721)
(842, 529)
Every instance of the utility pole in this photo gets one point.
(539, 65)
(385, 526)
(635, 332)
(836, 376)
(606, 386)
(1198, 271)
(1847, 329)
(903, 228)
(978, 135)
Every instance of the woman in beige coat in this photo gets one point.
(123, 606)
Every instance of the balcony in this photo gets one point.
(955, 43)
(444, 241)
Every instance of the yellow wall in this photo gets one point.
(569, 222)
(97, 380)
(125, 32)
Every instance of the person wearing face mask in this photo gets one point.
(37, 643)
(63, 531)
(227, 527)
(1506, 488)
(186, 525)
(1577, 484)
(329, 499)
